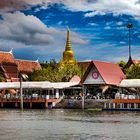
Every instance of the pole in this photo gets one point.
(129, 43)
(129, 26)
(21, 95)
(83, 98)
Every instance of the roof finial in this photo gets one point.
(11, 51)
(68, 46)
(37, 60)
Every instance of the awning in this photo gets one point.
(37, 85)
(130, 83)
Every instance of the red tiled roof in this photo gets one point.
(6, 57)
(136, 61)
(25, 66)
(75, 78)
(132, 62)
(110, 72)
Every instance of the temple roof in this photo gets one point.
(131, 62)
(110, 72)
(26, 66)
(6, 58)
(136, 61)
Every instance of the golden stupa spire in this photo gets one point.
(68, 54)
(68, 45)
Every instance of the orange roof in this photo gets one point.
(26, 66)
(132, 62)
(75, 78)
(136, 61)
(6, 58)
(110, 72)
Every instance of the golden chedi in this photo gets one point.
(68, 54)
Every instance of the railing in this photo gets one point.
(27, 97)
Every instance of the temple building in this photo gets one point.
(131, 62)
(10, 68)
(27, 66)
(68, 54)
(102, 78)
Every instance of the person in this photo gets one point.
(81, 94)
(117, 95)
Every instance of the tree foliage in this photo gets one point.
(68, 71)
(122, 64)
(54, 72)
(2, 78)
(133, 72)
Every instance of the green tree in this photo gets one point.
(133, 72)
(53, 72)
(68, 71)
(38, 75)
(122, 64)
(2, 78)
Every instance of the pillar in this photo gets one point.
(104, 105)
(128, 105)
(2, 104)
(121, 105)
(31, 104)
(135, 105)
(46, 105)
(57, 93)
(83, 101)
(83, 97)
(114, 105)
(16, 104)
(109, 105)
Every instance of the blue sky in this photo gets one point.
(36, 29)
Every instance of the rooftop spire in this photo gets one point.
(68, 45)
(68, 54)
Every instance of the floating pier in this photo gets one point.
(123, 105)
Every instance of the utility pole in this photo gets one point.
(21, 91)
(83, 98)
(129, 26)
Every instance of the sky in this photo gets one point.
(36, 29)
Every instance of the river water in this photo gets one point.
(69, 125)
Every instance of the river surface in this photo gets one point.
(68, 125)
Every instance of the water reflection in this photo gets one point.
(68, 125)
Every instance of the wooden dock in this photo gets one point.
(123, 105)
(28, 103)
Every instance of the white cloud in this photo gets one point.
(25, 29)
(122, 42)
(119, 23)
(31, 31)
(60, 22)
(94, 13)
(93, 24)
(109, 23)
(130, 7)
(20, 32)
(107, 27)
(135, 33)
